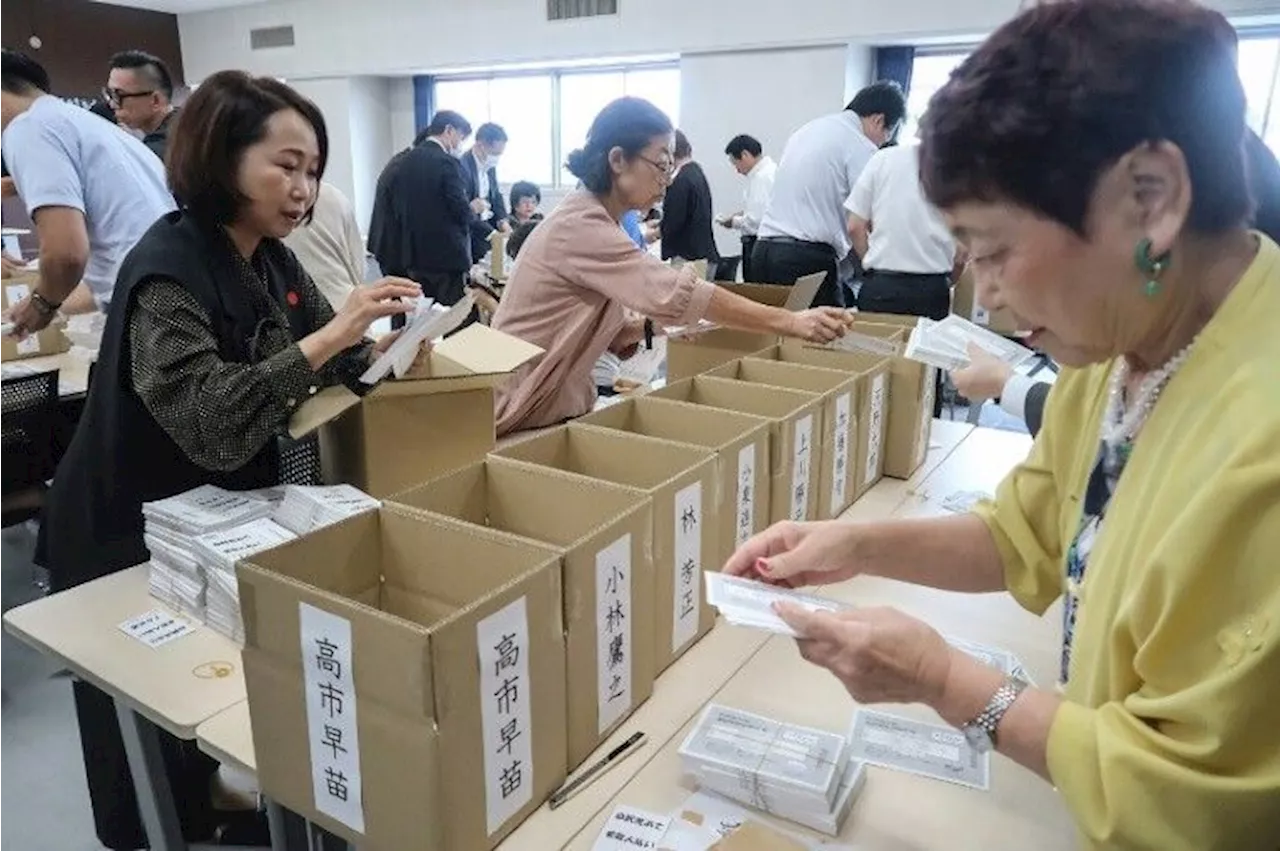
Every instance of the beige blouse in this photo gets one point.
(567, 293)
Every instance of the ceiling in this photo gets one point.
(179, 6)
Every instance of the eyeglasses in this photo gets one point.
(666, 170)
(116, 97)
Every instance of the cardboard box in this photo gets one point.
(794, 419)
(873, 400)
(839, 441)
(696, 351)
(681, 480)
(964, 302)
(408, 430)
(406, 679)
(50, 341)
(912, 391)
(741, 444)
(603, 533)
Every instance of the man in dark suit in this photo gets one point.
(481, 167)
(421, 224)
(686, 210)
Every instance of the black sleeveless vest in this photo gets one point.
(120, 457)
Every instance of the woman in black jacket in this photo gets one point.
(214, 337)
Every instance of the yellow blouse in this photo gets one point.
(1169, 737)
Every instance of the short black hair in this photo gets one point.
(225, 115)
(683, 148)
(743, 144)
(446, 118)
(22, 75)
(491, 133)
(519, 235)
(525, 189)
(628, 123)
(1056, 96)
(148, 64)
(883, 97)
(423, 135)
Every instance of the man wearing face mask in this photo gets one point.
(481, 167)
(421, 226)
(804, 228)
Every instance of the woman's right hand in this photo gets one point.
(797, 554)
(820, 324)
(365, 305)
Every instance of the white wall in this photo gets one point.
(403, 121)
(371, 140)
(763, 93)
(333, 97)
(389, 37)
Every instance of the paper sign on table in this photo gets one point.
(628, 829)
(156, 628)
(705, 819)
(930, 750)
(745, 602)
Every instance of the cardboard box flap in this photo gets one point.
(480, 350)
(326, 406)
(679, 421)
(793, 376)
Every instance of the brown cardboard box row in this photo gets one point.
(50, 341)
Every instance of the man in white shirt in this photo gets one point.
(91, 189)
(907, 252)
(746, 154)
(804, 228)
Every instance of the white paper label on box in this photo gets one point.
(746, 515)
(15, 293)
(875, 428)
(687, 566)
(802, 454)
(156, 628)
(927, 396)
(332, 728)
(502, 640)
(840, 457)
(629, 828)
(613, 632)
(29, 346)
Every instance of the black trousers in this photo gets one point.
(780, 260)
(748, 245)
(908, 294)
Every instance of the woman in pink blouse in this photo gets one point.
(579, 271)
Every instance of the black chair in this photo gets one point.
(30, 415)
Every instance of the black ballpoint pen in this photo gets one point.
(562, 794)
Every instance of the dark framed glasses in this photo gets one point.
(667, 170)
(116, 97)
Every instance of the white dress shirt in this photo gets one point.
(820, 164)
(756, 201)
(907, 232)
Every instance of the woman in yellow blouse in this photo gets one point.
(1089, 157)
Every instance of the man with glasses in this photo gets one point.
(140, 91)
(90, 189)
(804, 228)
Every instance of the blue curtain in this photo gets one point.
(424, 96)
(895, 63)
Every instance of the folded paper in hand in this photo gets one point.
(744, 602)
(429, 321)
(945, 344)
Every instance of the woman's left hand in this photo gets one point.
(880, 654)
(384, 342)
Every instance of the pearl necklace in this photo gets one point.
(1122, 422)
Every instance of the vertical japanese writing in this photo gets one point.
(687, 566)
(502, 643)
(845, 425)
(613, 632)
(333, 733)
(875, 429)
(928, 393)
(746, 514)
(802, 458)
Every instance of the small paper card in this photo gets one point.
(930, 750)
(629, 828)
(744, 602)
(156, 628)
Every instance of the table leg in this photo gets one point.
(276, 823)
(150, 780)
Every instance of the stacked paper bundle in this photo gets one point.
(793, 772)
(306, 508)
(945, 344)
(218, 553)
(171, 528)
(745, 602)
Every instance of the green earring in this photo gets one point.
(1152, 267)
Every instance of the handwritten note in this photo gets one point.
(845, 424)
(332, 729)
(156, 628)
(746, 512)
(502, 641)
(613, 632)
(629, 828)
(802, 456)
(687, 566)
(875, 429)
